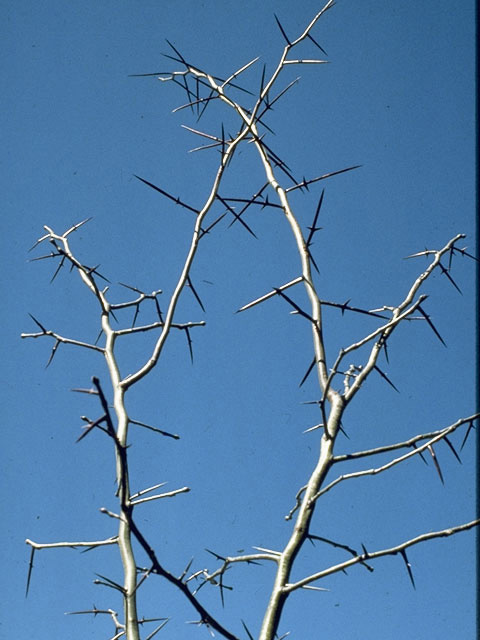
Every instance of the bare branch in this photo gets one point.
(372, 555)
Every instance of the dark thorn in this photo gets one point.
(181, 58)
(189, 340)
(343, 431)
(205, 105)
(281, 29)
(262, 81)
(30, 569)
(137, 310)
(420, 454)
(364, 550)
(249, 202)
(452, 449)
(263, 203)
(60, 265)
(445, 271)
(185, 571)
(324, 177)
(270, 104)
(470, 427)
(38, 323)
(435, 462)
(450, 257)
(279, 163)
(48, 255)
(312, 260)
(155, 429)
(223, 140)
(197, 297)
(313, 229)
(159, 311)
(149, 75)
(385, 377)
(98, 337)
(189, 93)
(338, 545)
(94, 270)
(220, 584)
(54, 350)
(308, 372)
(316, 44)
(345, 306)
(384, 345)
(430, 323)
(236, 215)
(294, 305)
(127, 286)
(109, 583)
(215, 555)
(91, 425)
(210, 227)
(167, 195)
(409, 567)
(464, 253)
(248, 632)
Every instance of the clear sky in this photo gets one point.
(398, 99)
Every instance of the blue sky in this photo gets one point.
(397, 98)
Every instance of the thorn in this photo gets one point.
(185, 571)
(262, 81)
(157, 307)
(385, 377)
(210, 227)
(324, 177)
(54, 350)
(248, 632)
(384, 345)
(109, 583)
(30, 569)
(189, 284)
(295, 306)
(409, 567)
(236, 215)
(216, 555)
(435, 462)
(430, 323)
(269, 104)
(57, 270)
(420, 454)
(452, 449)
(155, 429)
(313, 229)
(463, 252)
(167, 195)
(470, 427)
(316, 43)
(445, 271)
(189, 340)
(345, 306)
(281, 29)
(308, 372)
(340, 427)
(181, 58)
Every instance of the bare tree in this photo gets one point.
(340, 378)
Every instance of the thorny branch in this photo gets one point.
(333, 403)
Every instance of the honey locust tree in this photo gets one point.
(349, 351)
